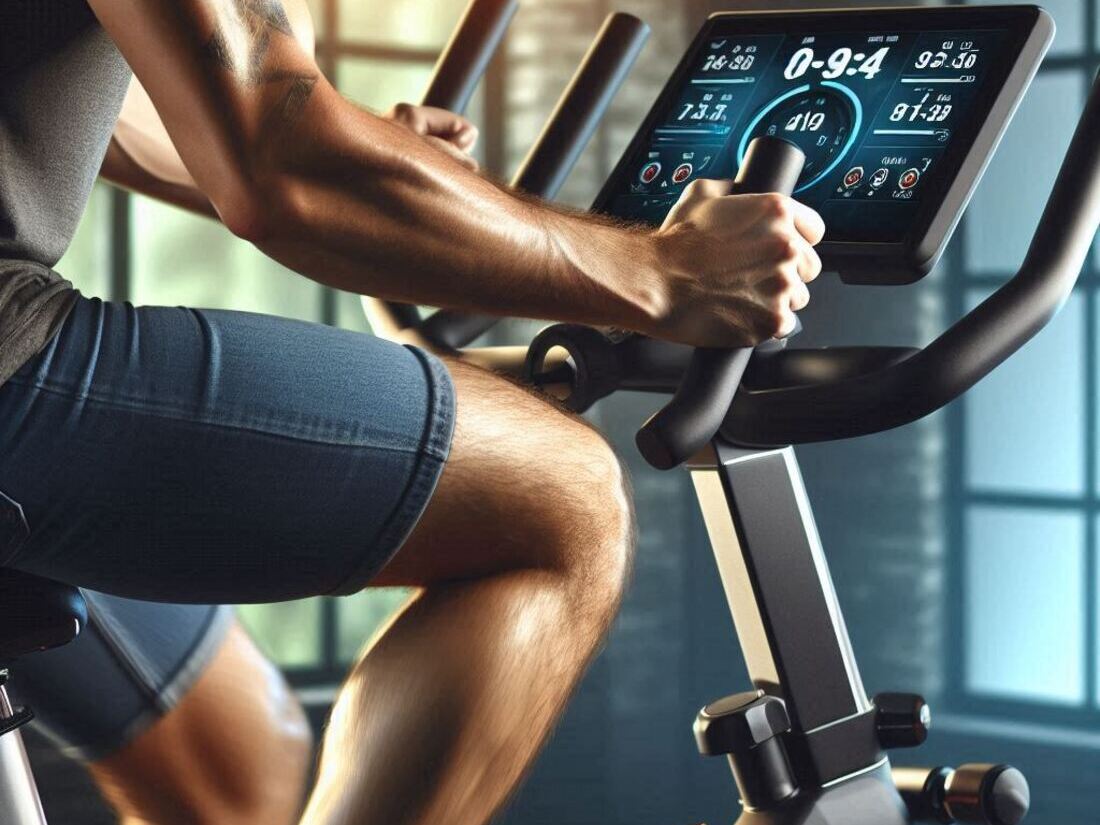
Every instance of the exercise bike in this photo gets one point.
(883, 120)
(807, 745)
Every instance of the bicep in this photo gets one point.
(228, 79)
(141, 133)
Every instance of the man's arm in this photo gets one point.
(141, 156)
(123, 170)
(331, 190)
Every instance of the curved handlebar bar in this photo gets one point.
(966, 352)
(467, 55)
(693, 416)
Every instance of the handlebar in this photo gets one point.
(467, 55)
(965, 353)
(693, 416)
(800, 396)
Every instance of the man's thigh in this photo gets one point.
(216, 457)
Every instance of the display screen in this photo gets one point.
(876, 111)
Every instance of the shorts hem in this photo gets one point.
(434, 451)
(167, 698)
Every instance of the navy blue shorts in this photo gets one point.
(201, 457)
(132, 665)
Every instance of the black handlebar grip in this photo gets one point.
(467, 55)
(690, 420)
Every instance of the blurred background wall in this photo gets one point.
(964, 548)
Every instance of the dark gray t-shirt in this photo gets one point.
(62, 82)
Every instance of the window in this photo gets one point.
(132, 248)
(1027, 440)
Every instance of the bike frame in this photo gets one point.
(18, 792)
(792, 633)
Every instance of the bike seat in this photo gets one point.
(37, 614)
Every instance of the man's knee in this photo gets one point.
(527, 486)
(567, 493)
(590, 510)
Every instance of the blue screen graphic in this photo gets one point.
(875, 113)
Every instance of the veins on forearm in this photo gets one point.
(241, 44)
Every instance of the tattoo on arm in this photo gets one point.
(240, 45)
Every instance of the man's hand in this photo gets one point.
(448, 132)
(736, 266)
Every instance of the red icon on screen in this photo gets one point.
(650, 172)
(682, 173)
(854, 176)
(909, 178)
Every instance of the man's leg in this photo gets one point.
(235, 751)
(522, 555)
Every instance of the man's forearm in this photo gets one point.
(361, 204)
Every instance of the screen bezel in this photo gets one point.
(1030, 30)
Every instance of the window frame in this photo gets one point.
(961, 498)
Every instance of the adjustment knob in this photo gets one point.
(740, 722)
(987, 794)
(748, 729)
(902, 720)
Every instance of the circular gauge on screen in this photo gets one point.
(822, 120)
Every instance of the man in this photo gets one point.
(180, 719)
(195, 456)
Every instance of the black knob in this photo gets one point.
(902, 720)
(740, 722)
(987, 795)
(748, 728)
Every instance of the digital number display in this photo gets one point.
(842, 62)
(874, 111)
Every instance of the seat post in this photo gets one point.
(18, 792)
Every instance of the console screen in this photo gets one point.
(877, 112)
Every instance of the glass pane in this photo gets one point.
(410, 23)
(1007, 205)
(1069, 16)
(87, 263)
(349, 312)
(378, 84)
(183, 260)
(360, 616)
(1025, 423)
(1025, 611)
(288, 632)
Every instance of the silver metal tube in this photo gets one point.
(19, 802)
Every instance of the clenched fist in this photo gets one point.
(452, 134)
(736, 265)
